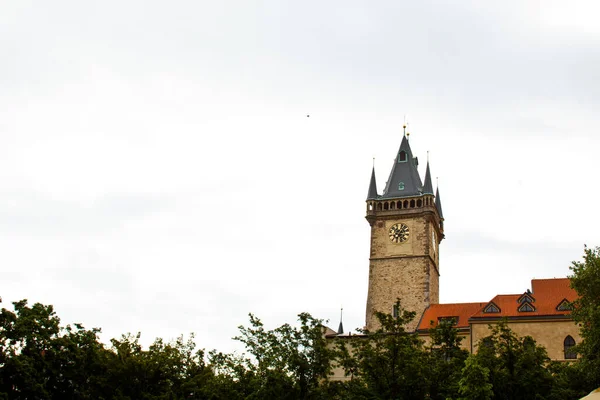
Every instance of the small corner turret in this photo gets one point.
(372, 195)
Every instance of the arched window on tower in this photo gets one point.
(402, 156)
(569, 343)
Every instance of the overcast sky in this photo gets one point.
(159, 173)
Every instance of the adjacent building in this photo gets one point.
(407, 227)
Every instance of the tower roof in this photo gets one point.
(438, 203)
(372, 187)
(404, 178)
(428, 186)
(341, 327)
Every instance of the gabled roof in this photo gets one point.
(548, 294)
(461, 311)
(372, 195)
(404, 180)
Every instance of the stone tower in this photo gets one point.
(406, 230)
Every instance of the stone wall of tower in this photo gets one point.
(402, 270)
(412, 280)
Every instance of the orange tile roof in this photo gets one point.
(547, 295)
(461, 310)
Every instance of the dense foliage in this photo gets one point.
(40, 359)
(586, 281)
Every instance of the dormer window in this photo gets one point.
(526, 307)
(491, 308)
(526, 298)
(402, 156)
(448, 320)
(400, 185)
(564, 305)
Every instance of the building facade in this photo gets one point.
(407, 227)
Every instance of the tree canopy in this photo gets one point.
(42, 359)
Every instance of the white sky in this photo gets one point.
(158, 172)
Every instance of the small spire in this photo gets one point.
(372, 195)
(438, 202)
(427, 187)
(341, 327)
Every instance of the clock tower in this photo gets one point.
(407, 227)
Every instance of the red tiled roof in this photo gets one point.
(547, 293)
(461, 310)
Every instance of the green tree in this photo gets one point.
(41, 360)
(475, 381)
(517, 366)
(286, 363)
(389, 363)
(172, 370)
(25, 338)
(445, 360)
(568, 381)
(586, 312)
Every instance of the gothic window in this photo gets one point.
(569, 343)
(526, 307)
(491, 308)
(402, 156)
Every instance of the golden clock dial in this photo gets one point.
(399, 233)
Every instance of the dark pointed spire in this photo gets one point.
(372, 187)
(404, 178)
(341, 327)
(438, 202)
(428, 186)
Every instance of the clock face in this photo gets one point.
(398, 233)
